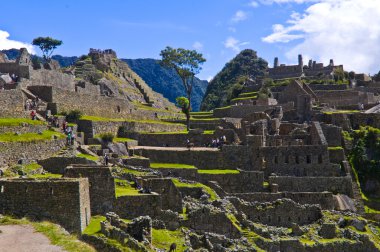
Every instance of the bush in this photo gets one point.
(73, 116)
(107, 137)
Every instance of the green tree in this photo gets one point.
(47, 46)
(184, 104)
(187, 63)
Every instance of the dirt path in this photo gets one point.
(23, 238)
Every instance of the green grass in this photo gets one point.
(30, 137)
(335, 148)
(171, 166)
(53, 232)
(122, 139)
(371, 210)
(124, 188)
(45, 176)
(94, 226)
(211, 192)
(18, 121)
(244, 98)
(218, 172)
(201, 113)
(162, 239)
(249, 94)
(87, 156)
(341, 112)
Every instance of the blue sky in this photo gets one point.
(217, 28)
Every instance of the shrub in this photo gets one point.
(73, 116)
(107, 137)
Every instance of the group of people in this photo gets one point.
(218, 142)
(32, 104)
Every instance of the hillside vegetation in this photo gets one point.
(166, 81)
(228, 83)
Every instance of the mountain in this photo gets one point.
(166, 81)
(63, 61)
(228, 82)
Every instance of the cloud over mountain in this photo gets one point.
(345, 30)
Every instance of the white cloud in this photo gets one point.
(253, 4)
(6, 43)
(234, 44)
(347, 31)
(239, 16)
(198, 45)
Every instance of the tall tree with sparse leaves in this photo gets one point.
(47, 46)
(187, 63)
(184, 104)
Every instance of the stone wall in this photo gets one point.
(307, 160)
(22, 71)
(12, 103)
(102, 185)
(92, 128)
(324, 199)
(282, 212)
(236, 183)
(43, 77)
(132, 206)
(326, 87)
(13, 151)
(170, 196)
(179, 140)
(335, 185)
(241, 111)
(57, 165)
(202, 159)
(65, 201)
(345, 97)
(22, 129)
(333, 134)
(214, 220)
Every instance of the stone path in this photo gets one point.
(23, 238)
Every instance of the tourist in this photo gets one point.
(72, 138)
(68, 139)
(33, 115)
(64, 126)
(106, 159)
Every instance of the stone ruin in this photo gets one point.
(269, 185)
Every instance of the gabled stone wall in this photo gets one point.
(65, 201)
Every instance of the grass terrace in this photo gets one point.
(249, 94)
(18, 121)
(211, 192)
(87, 156)
(162, 239)
(218, 172)
(45, 176)
(335, 148)
(341, 112)
(30, 137)
(171, 166)
(124, 188)
(184, 132)
(94, 225)
(244, 98)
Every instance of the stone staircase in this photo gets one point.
(41, 106)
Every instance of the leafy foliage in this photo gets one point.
(227, 84)
(184, 104)
(47, 46)
(74, 115)
(365, 155)
(187, 63)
